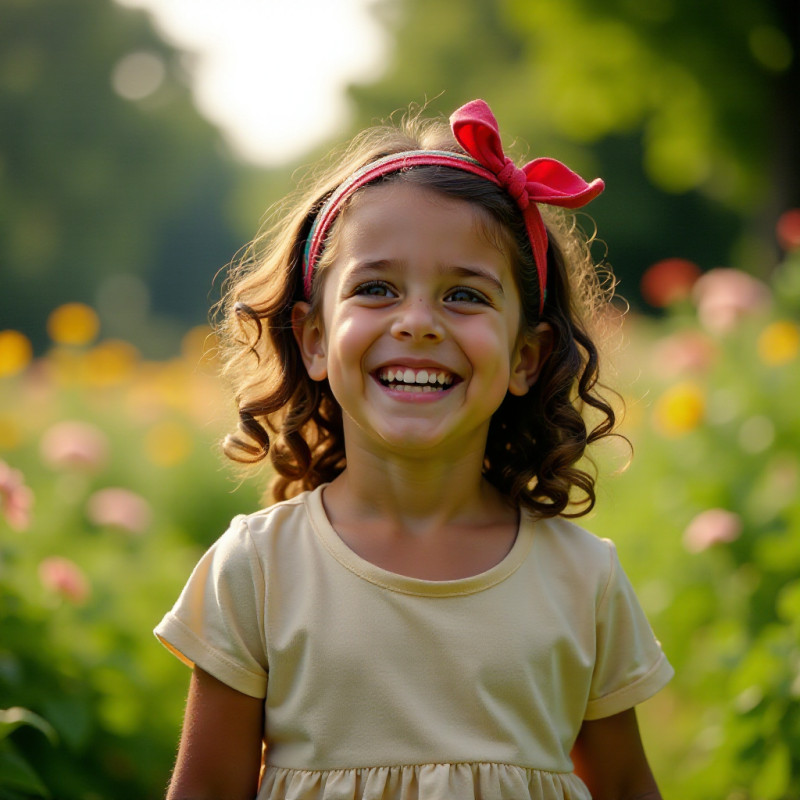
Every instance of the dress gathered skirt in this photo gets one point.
(466, 781)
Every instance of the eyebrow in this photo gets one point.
(366, 269)
(473, 272)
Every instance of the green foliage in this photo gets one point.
(715, 429)
(93, 703)
(109, 179)
(695, 78)
(17, 774)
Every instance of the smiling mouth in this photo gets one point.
(416, 380)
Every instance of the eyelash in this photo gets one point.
(473, 295)
(364, 288)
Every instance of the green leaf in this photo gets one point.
(13, 718)
(789, 602)
(17, 773)
(772, 779)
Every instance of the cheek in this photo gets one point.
(348, 343)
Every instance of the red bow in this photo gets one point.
(543, 180)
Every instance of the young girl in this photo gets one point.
(415, 617)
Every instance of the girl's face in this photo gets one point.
(420, 332)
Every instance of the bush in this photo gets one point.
(708, 521)
(127, 491)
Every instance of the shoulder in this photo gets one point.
(568, 552)
(272, 534)
(571, 540)
(292, 514)
(277, 512)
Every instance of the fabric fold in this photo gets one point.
(464, 781)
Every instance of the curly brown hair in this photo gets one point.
(535, 441)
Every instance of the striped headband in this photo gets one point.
(543, 180)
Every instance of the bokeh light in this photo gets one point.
(779, 342)
(669, 281)
(168, 444)
(138, 75)
(73, 324)
(788, 229)
(680, 409)
(16, 353)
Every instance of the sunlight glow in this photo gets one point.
(272, 74)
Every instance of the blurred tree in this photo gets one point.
(688, 110)
(108, 175)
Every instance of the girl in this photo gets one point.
(415, 617)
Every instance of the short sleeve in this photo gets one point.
(630, 665)
(217, 622)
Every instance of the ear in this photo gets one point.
(310, 340)
(532, 351)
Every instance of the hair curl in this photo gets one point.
(535, 442)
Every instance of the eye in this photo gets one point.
(374, 289)
(466, 294)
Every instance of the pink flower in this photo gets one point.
(724, 296)
(714, 526)
(16, 498)
(119, 508)
(65, 578)
(73, 444)
(669, 281)
(686, 351)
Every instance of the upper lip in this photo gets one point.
(413, 363)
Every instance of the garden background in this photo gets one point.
(119, 204)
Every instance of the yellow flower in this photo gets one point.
(65, 365)
(779, 343)
(168, 444)
(679, 410)
(73, 323)
(15, 353)
(110, 363)
(11, 432)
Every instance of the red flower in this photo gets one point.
(788, 229)
(669, 281)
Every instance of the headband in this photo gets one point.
(543, 180)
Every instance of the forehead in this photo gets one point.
(403, 213)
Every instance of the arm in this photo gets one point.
(220, 751)
(610, 759)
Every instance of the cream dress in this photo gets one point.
(378, 686)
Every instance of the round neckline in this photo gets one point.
(407, 584)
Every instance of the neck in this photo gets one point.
(416, 494)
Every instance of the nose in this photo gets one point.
(417, 320)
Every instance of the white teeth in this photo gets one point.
(410, 380)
